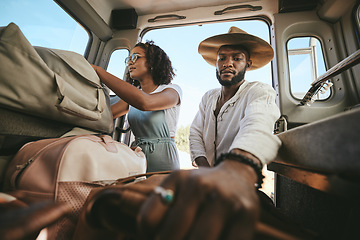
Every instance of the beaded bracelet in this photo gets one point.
(245, 160)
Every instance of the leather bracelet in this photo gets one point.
(245, 160)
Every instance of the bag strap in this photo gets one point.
(108, 143)
(138, 177)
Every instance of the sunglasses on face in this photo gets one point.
(133, 58)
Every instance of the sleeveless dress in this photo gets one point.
(152, 134)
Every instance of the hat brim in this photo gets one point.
(261, 53)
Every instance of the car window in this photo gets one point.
(117, 64)
(193, 74)
(306, 64)
(44, 23)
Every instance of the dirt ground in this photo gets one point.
(268, 185)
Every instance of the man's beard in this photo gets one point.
(235, 80)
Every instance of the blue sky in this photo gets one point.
(44, 23)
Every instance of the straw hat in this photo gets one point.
(260, 51)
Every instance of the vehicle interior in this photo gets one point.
(315, 72)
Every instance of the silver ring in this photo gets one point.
(167, 195)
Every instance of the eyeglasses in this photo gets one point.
(133, 58)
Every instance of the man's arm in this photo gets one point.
(201, 161)
(209, 203)
(256, 132)
(248, 155)
(196, 143)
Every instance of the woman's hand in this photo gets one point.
(96, 68)
(136, 149)
(208, 203)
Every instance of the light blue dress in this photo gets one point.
(153, 136)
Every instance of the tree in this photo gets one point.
(182, 138)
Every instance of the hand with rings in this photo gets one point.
(206, 203)
(167, 195)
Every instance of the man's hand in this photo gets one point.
(201, 162)
(208, 203)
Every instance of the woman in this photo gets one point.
(153, 110)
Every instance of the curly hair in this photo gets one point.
(158, 62)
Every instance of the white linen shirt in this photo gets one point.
(246, 121)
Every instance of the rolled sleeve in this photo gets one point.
(256, 127)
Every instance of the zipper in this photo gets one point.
(21, 168)
(24, 165)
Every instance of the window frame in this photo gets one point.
(314, 65)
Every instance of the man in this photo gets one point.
(240, 116)
(237, 120)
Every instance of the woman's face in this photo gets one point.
(139, 69)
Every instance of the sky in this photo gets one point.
(45, 24)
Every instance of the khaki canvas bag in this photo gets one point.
(51, 83)
(67, 169)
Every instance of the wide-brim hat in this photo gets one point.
(261, 53)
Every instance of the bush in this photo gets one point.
(182, 138)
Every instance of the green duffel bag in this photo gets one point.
(50, 83)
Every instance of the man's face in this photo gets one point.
(231, 65)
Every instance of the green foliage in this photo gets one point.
(182, 138)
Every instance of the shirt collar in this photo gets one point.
(234, 98)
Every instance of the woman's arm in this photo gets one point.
(135, 97)
(119, 109)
